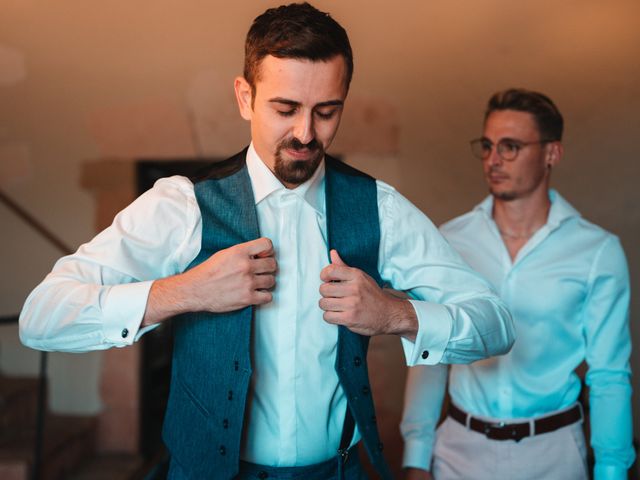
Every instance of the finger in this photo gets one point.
(336, 318)
(331, 305)
(264, 282)
(264, 265)
(334, 290)
(260, 297)
(335, 273)
(336, 259)
(260, 247)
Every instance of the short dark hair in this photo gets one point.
(547, 116)
(298, 31)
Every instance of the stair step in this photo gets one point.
(109, 467)
(67, 441)
(18, 402)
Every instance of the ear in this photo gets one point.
(555, 150)
(244, 97)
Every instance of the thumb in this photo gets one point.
(335, 258)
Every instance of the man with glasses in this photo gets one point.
(566, 283)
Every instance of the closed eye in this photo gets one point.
(326, 115)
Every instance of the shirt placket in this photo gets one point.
(287, 280)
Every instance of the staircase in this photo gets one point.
(68, 449)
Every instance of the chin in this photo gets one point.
(505, 196)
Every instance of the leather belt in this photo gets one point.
(516, 431)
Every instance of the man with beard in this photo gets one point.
(566, 283)
(272, 265)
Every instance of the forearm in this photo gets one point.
(62, 314)
(611, 435)
(402, 317)
(168, 297)
(459, 333)
(424, 394)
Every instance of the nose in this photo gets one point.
(303, 129)
(494, 157)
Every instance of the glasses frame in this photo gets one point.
(476, 147)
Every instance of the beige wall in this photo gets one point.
(88, 80)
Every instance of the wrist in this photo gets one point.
(167, 298)
(402, 318)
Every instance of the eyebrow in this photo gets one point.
(503, 139)
(293, 103)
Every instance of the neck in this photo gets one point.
(520, 218)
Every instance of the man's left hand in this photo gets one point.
(352, 298)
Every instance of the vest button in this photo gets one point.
(230, 395)
(374, 419)
(365, 390)
(222, 450)
(357, 361)
(380, 447)
(225, 423)
(124, 333)
(236, 365)
(262, 475)
(425, 354)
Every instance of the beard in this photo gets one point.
(296, 172)
(505, 196)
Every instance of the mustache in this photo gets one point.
(295, 144)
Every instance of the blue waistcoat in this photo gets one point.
(211, 368)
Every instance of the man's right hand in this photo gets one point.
(417, 474)
(230, 279)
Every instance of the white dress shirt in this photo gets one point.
(296, 410)
(568, 292)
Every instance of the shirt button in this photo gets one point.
(425, 354)
(124, 333)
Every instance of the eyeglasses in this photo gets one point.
(507, 149)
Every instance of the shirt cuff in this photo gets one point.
(434, 331)
(124, 306)
(609, 472)
(417, 454)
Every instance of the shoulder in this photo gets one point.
(587, 236)
(223, 169)
(461, 224)
(333, 164)
(176, 188)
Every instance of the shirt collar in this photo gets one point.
(560, 211)
(265, 183)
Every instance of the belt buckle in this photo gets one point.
(493, 430)
(344, 455)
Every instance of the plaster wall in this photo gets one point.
(81, 81)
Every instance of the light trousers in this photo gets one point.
(464, 454)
